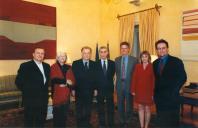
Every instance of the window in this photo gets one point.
(136, 46)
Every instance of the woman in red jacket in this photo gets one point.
(61, 78)
(142, 87)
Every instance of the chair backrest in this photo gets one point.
(7, 83)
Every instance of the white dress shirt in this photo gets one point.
(106, 62)
(40, 66)
(84, 61)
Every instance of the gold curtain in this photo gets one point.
(126, 29)
(148, 30)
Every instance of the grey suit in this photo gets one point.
(123, 88)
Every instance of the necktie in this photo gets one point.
(104, 68)
(86, 66)
(123, 68)
(161, 66)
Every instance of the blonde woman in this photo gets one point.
(61, 78)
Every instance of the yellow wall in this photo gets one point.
(169, 24)
(85, 22)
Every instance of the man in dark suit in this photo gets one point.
(105, 70)
(170, 76)
(32, 79)
(84, 72)
(124, 66)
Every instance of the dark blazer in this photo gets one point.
(30, 81)
(85, 80)
(105, 84)
(168, 84)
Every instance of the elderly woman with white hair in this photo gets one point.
(61, 79)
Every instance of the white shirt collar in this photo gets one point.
(85, 61)
(106, 62)
(37, 62)
(40, 66)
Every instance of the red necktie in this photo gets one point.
(123, 68)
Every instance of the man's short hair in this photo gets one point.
(86, 47)
(161, 41)
(38, 48)
(103, 47)
(125, 43)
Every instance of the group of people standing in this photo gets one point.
(135, 80)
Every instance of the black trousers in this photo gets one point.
(168, 118)
(106, 109)
(60, 115)
(35, 116)
(83, 110)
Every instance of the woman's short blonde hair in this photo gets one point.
(61, 54)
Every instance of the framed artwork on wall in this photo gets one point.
(189, 43)
(25, 26)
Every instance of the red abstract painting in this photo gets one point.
(25, 26)
(189, 42)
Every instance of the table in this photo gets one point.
(189, 99)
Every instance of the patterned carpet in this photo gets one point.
(14, 118)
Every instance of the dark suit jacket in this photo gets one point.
(105, 84)
(168, 84)
(30, 81)
(85, 80)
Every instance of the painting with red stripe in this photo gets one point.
(25, 26)
(189, 41)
